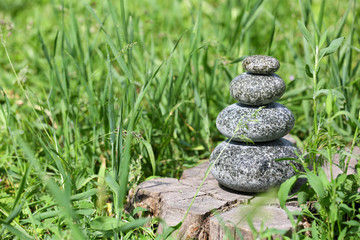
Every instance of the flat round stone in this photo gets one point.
(253, 89)
(260, 64)
(259, 124)
(252, 167)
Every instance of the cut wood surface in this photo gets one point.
(216, 211)
(170, 198)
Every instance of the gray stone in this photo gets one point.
(252, 167)
(271, 122)
(253, 89)
(260, 64)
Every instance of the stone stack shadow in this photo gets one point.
(246, 162)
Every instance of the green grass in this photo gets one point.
(97, 96)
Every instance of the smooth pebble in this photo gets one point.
(260, 64)
(251, 89)
(263, 124)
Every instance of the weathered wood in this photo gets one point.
(233, 224)
(352, 163)
(214, 206)
(169, 199)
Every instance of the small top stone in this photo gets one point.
(260, 64)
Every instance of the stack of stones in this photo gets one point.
(255, 126)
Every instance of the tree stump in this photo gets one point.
(216, 212)
(214, 206)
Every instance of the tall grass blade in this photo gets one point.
(20, 233)
(321, 15)
(305, 32)
(272, 33)
(21, 187)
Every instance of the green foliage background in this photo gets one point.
(97, 96)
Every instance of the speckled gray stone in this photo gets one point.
(260, 64)
(252, 167)
(271, 122)
(253, 89)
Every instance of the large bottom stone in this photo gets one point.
(247, 167)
